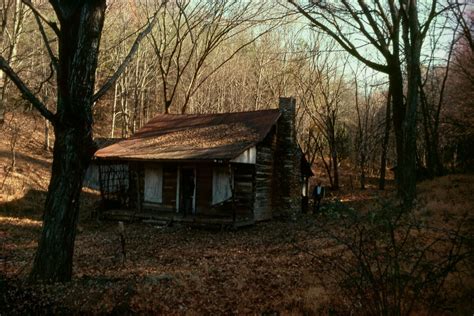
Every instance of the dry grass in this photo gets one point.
(447, 197)
(23, 136)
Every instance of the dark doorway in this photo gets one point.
(188, 191)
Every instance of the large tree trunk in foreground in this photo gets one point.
(78, 46)
(405, 139)
(79, 38)
(53, 261)
(412, 39)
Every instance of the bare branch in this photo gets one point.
(341, 39)
(109, 83)
(54, 59)
(37, 13)
(25, 91)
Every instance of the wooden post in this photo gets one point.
(232, 188)
(193, 211)
(101, 187)
(121, 232)
(178, 180)
(139, 196)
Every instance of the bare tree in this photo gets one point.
(395, 36)
(368, 124)
(78, 29)
(386, 139)
(322, 93)
(10, 32)
(188, 36)
(133, 97)
(458, 115)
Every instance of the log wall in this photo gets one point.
(244, 189)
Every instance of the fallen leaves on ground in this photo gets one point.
(177, 270)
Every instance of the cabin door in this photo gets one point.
(188, 190)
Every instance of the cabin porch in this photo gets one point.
(169, 217)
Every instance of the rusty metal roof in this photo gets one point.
(194, 137)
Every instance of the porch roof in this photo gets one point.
(194, 137)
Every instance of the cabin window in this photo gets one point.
(154, 184)
(221, 185)
(114, 177)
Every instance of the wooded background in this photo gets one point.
(225, 56)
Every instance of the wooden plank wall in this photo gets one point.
(137, 185)
(243, 182)
(244, 189)
(170, 173)
(264, 174)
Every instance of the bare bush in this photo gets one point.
(387, 262)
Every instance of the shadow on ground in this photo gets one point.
(31, 205)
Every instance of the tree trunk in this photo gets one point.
(412, 44)
(404, 123)
(362, 177)
(335, 168)
(47, 142)
(431, 136)
(437, 161)
(72, 152)
(326, 166)
(79, 38)
(386, 138)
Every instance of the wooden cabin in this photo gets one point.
(235, 168)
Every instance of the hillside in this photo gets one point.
(268, 268)
(25, 164)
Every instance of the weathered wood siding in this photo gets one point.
(170, 174)
(264, 173)
(244, 189)
(137, 184)
(242, 203)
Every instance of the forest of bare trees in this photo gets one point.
(379, 84)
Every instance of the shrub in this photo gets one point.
(18, 298)
(388, 262)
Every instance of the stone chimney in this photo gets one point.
(287, 162)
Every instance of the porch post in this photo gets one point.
(178, 178)
(232, 188)
(101, 187)
(194, 211)
(139, 196)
